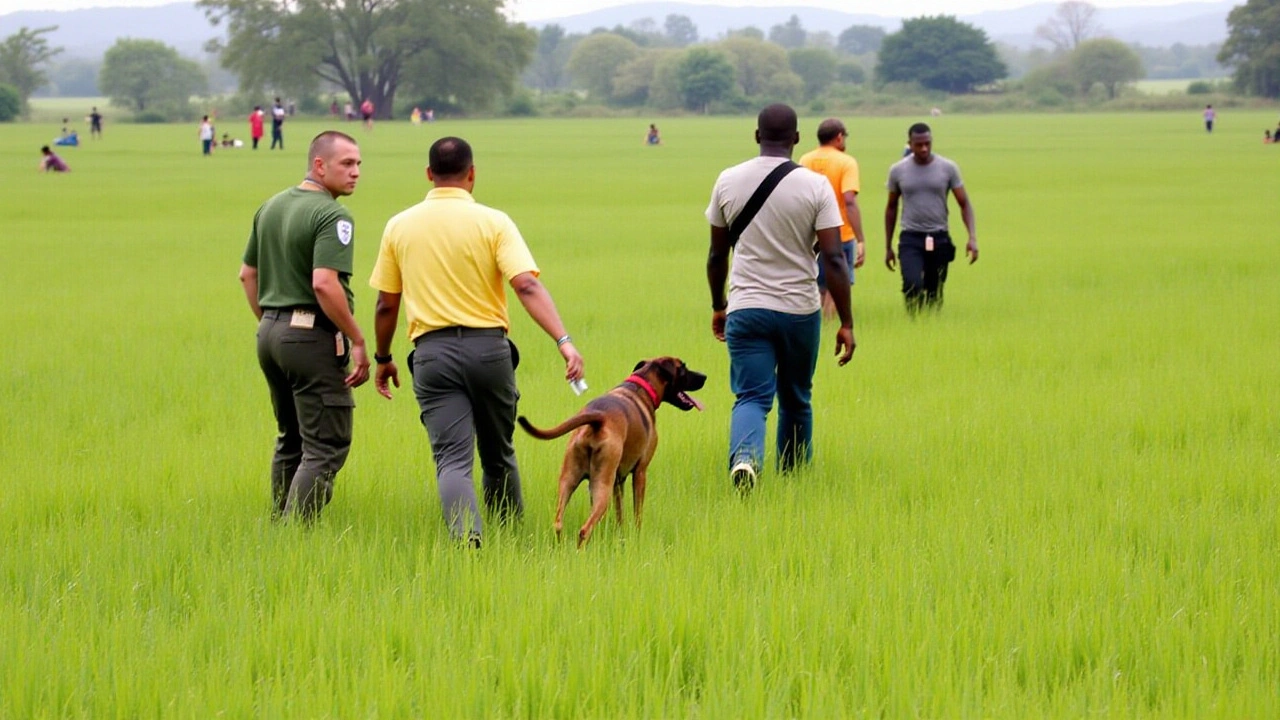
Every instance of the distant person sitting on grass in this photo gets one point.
(51, 162)
(71, 139)
(652, 137)
(230, 142)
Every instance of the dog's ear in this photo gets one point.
(668, 368)
(639, 365)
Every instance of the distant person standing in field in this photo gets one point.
(255, 125)
(277, 125)
(841, 170)
(50, 162)
(448, 258)
(296, 278)
(920, 182)
(95, 124)
(771, 319)
(366, 112)
(1209, 116)
(206, 136)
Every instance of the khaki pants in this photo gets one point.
(305, 371)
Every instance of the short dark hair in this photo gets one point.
(829, 130)
(322, 144)
(450, 158)
(777, 123)
(918, 129)
(45, 150)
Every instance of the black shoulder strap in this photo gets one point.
(757, 199)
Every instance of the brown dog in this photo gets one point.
(616, 436)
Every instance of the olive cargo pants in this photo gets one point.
(305, 371)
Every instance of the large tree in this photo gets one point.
(705, 75)
(1072, 23)
(147, 75)
(790, 35)
(23, 56)
(596, 60)
(755, 62)
(817, 67)
(1253, 47)
(940, 53)
(680, 30)
(462, 51)
(1106, 62)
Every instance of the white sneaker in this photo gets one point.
(744, 477)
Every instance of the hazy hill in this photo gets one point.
(89, 32)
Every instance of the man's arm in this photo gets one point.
(852, 212)
(837, 273)
(385, 316)
(538, 303)
(249, 281)
(333, 301)
(717, 276)
(966, 212)
(890, 222)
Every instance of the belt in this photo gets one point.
(460, 332)
(286, 313)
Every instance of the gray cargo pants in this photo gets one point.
(464, 379)
(305, 370)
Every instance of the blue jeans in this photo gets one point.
(847, 248)
(772, 353)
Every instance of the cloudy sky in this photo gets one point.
(541, 9)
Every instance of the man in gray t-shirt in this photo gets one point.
(922, 180)
(771, 319)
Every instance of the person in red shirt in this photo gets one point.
(366, 111)
(255, 125)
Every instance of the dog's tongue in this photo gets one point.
(686, 397)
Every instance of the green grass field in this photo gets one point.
(1056, 499)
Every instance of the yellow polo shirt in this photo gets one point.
(450, 259)
(841, 171)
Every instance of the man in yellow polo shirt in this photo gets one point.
(841, 170)
(446, 259)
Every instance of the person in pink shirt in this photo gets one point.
(255, 125)
(51, 162)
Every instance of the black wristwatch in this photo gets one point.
(382, 359)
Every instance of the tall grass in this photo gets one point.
(1056, 498)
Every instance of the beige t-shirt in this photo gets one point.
(774, 264)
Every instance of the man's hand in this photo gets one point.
(971, 249)
(383, 373)
(359, 366)
(717, 324)
(859, 254)
(845, 345)
(572, 362)
(890, 260)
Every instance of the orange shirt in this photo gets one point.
(841, 171)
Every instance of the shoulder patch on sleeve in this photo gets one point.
(345, 231)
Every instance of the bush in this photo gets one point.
(150, 117)
(10, 103)
(1200, 87)
(521, 104)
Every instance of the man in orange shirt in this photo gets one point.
(841, 170)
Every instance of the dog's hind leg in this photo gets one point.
(604, 469)
(638, 480)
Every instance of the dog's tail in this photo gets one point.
(586, 417)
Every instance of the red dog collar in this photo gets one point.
(653, 394)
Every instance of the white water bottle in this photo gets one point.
(578, 386)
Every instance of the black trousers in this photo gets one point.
(924, 272)
(305, 368)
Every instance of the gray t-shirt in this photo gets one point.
(924, 191)
(774, 264)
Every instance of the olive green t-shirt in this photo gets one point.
(295, 232)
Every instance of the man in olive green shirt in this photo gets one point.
(296, 273)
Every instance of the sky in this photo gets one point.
(530, 10)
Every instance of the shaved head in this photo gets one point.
(322, 145)
(777, 124)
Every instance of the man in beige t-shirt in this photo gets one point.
(770, 319)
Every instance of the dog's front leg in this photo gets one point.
(638, 480)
